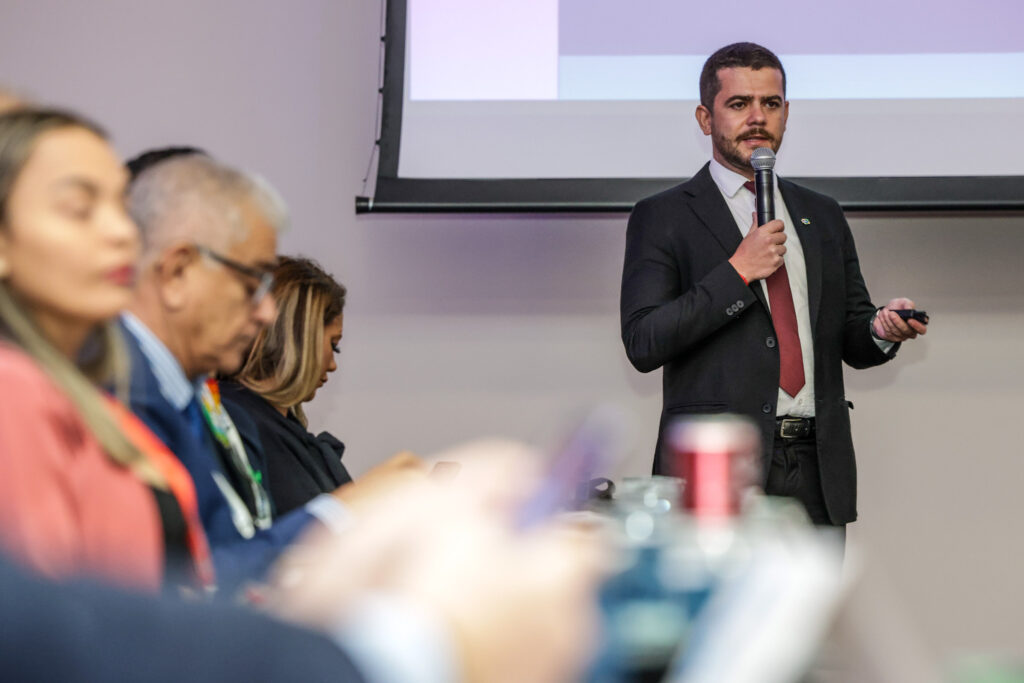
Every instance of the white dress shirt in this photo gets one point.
(741, 203)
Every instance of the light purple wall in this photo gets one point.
(469, 325)
(792, 27)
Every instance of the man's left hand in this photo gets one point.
(890, 327)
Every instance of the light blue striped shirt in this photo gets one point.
(174, 385)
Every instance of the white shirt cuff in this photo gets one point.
(391, 641)
(331, 512)
(883, 344)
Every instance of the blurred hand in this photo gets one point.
(398, 469)
(891, 327)
(760, 253)
(524, 608)
(518, 606)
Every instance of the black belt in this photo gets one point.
(794, 427)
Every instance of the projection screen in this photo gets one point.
(587, 105)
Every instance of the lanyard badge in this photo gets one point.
(227, 436)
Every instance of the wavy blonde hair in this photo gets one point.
(20, 130)
(283, 365)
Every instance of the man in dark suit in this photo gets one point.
(756, 320)
(203, 293)
(240, 549)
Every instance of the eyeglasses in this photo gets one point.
(265, 277)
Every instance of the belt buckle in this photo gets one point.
(784, 429)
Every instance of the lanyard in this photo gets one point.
(227, 435)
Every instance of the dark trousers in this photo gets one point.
(793, 472)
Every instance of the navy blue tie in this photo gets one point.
(194, 415)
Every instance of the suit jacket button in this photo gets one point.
(728, 311)
(766, 408)
(770, 342)
(739, 304)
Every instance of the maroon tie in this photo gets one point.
(791, 361)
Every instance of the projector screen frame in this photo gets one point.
(394, 194)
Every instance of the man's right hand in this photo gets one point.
(760, 253)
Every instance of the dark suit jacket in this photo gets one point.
(686, 309)
(235, 558)
(298, 465)
(76, 633)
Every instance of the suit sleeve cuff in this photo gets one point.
(331, 512)
(729, 292)
(884, 345)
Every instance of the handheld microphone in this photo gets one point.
(763, 161)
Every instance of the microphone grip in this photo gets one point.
(765, 195)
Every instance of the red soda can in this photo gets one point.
(718, 458)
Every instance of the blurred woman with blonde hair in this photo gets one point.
(289, 361)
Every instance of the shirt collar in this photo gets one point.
(170, 376)
(728, 180)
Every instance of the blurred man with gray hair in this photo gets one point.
(209, 237)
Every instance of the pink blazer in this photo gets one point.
(65, 507)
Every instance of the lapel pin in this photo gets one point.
(805, 221)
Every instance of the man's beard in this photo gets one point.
(735, 155)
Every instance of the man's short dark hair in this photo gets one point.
(737, 55)
(152, 157)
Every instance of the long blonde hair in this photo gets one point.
(19, 131)
(283, 365)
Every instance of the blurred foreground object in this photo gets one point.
(715, 582)
(719, 457)
(79, 632)
(517, 605)
(9, 100)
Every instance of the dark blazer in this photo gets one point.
(76, 633)
(235, 558)
(297, 465)
(684, 308)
